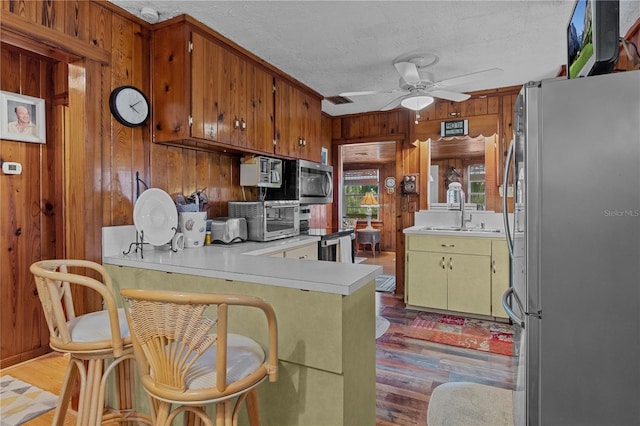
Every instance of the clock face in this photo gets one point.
(390, 182)
(129, 106)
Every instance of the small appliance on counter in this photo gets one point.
(228, 230)
(268, 220)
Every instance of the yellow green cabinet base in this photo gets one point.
(326, 346)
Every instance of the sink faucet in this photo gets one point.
(463, 219)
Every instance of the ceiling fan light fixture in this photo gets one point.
(417, 102)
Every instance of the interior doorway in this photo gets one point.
(366, 167)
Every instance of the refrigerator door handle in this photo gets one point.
(505, 304)
(505, 209)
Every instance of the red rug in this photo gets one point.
(481, 335)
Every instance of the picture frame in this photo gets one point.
(22, 118)
(324, 154)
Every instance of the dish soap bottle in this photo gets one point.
(454, 195)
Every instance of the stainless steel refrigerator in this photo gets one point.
(575, 238)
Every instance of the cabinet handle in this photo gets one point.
(447, 245)
(451, 264)
(493, 266)
(243, 125)
(236, 123)
(443, 264)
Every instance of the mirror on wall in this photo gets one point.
(462, 158)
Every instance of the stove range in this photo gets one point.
(329, 240)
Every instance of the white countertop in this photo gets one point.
(241, 262)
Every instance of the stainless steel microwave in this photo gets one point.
(268, 220)
(304, 181)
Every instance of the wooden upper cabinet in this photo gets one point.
(207, 95)
(211, 94)
(298, 118)
(260, 109)
(171, 91)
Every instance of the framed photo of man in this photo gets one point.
(22, 118)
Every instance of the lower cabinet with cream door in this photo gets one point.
(308, 252)
(500, 266)
(449, 273)
(305, 252)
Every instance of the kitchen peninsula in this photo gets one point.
(325, 313)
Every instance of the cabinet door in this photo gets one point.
(286, 131)
(260, 110)
(308, 252)
(171, 91)
(310, 115)
(200, 98)
(222, 71)
(499, 276)
(469, 283)
(237, 96)
(426, 279)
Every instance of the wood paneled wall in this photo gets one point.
(30, 213)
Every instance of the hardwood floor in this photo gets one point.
(387, 259)
(407, 370)
(47, 373)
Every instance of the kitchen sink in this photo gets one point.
(459, 229)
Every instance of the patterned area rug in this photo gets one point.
(21, 402)
(386, 283)
(481, 335)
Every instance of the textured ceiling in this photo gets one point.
(340, 46)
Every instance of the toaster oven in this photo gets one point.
(268, 220)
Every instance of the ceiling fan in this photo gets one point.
(420, 86)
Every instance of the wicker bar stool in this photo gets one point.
(91, 340)
(182, 363)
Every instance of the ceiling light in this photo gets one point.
(416, 103)
(149, 14)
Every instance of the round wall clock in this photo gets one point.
(390, 184)
(129, 106)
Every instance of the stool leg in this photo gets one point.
(70, 376)
(93, 414)
(162, 412)
(252, 407)
(83, 404)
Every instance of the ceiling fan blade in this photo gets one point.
(450, 96)
(393, 104)
(462, 79)
(408, 71)
(367, 92)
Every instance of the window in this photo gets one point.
(356, 184)
(476, 183)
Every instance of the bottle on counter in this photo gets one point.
(207, 238)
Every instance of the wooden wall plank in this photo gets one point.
(27, 220)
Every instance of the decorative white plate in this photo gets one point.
(155, 215)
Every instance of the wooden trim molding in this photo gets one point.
(47, 42)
